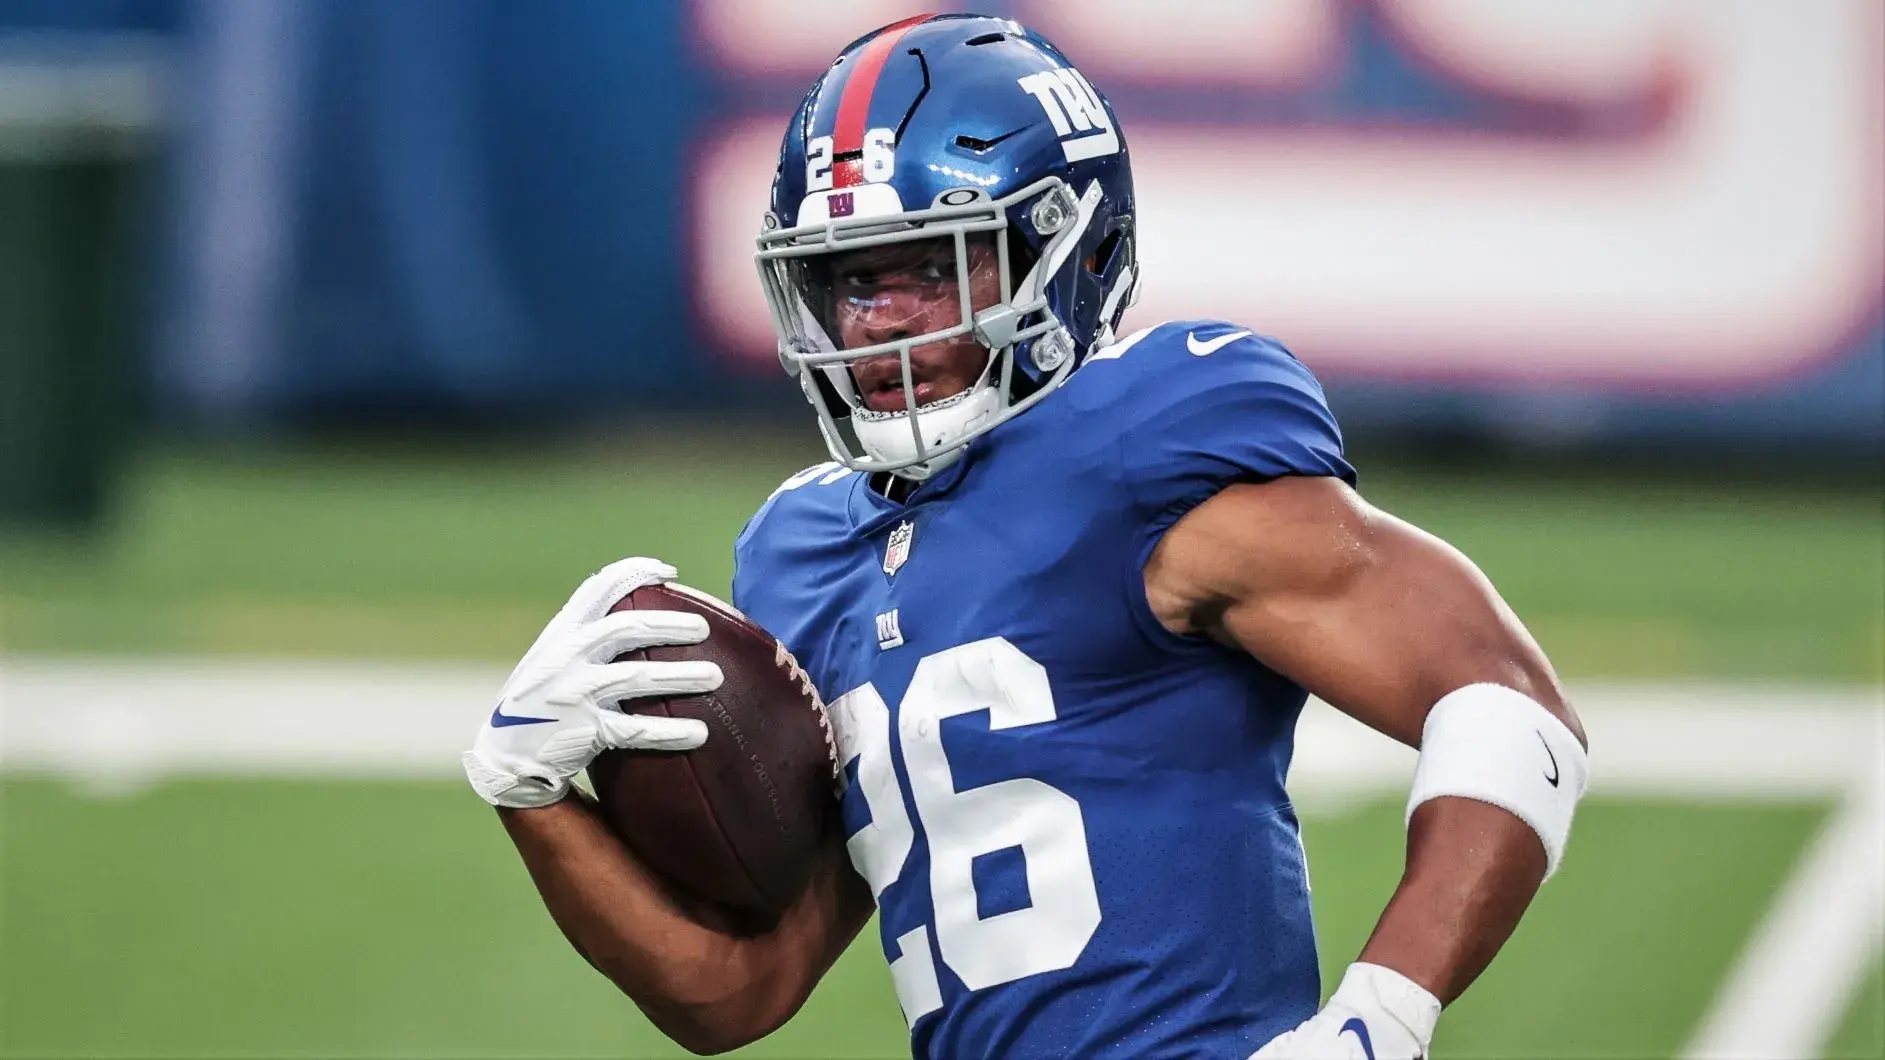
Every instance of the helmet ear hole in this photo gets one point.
(1102, 260)
(1021, 256)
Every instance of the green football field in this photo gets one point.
(402, 553)
(231, 918)
(257, 915)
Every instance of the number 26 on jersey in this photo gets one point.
(1042, 821)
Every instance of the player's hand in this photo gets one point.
(1376, 1014)
(561, 705)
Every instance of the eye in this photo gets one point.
(924, 268)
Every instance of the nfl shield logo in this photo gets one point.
(898, 551)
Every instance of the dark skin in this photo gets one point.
(1374, 616)
(896, 291)
(704, 985)
(1379, 619)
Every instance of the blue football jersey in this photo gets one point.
(1073, 820)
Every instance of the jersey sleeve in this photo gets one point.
(751, 548)
(1192, 408)
(742, 574)
(1249, 411)
(748, 559)
(783, 558)
(745, 561)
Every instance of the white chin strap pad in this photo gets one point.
(887, 437)
(1495, 745)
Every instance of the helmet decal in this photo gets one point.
(855, 154)
(1086, 130)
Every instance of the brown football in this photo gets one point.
(739, 821)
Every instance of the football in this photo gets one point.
(739, 821)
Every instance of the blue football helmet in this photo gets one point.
(972, 144)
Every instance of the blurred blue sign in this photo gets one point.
(1657, 219)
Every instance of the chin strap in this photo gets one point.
(887, 435)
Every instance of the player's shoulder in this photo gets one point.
(1175, 375)
(783, 557)
(1188, 359)
(809, 504)
(1212, 395)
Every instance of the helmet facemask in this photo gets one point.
(871, 312)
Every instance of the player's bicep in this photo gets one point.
(1375, 616)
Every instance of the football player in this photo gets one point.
(1066, 591)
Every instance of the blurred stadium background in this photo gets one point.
(340, 338)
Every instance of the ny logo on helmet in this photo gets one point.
(1079, 117)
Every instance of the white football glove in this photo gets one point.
(1376, 1014)
(559, 708)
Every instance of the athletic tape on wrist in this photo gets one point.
(1495, 745)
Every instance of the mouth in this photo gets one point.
(880, 385)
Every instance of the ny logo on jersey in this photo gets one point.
(889, 631)
(1080, 119)
(897, 552)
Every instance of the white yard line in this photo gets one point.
(1802, 967)
(167, 715)
(1680, 741)
(122, 720)
(117, 723)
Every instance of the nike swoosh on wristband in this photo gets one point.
(499, 719)
(1211, 346)
(1360, 1030)
(1555, 772)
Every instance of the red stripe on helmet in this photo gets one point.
(854, 103)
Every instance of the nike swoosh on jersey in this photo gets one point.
(499, 719)
(1211, 346)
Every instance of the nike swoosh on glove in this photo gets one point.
(561, 706)
(1376, 1014)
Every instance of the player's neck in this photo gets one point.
(894, 488)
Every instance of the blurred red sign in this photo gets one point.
(1733, 237)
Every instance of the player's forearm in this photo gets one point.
(702, 987)
(1472, 868)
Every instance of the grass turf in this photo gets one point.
(225, 918)
(412, 553)
(221, 918)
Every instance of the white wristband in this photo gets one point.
(1495, 745)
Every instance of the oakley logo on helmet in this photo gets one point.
(1079, 117)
